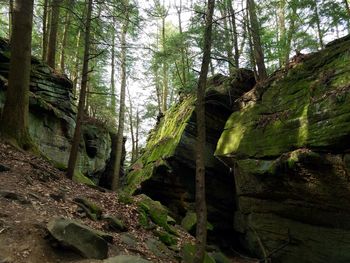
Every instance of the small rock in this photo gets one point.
(14, 196)
(86, 241)
(4, 168)
(126, 259)
(115, 223)
(128, 239)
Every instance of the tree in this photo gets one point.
(119, 147)
(80, 116)
(201, 208)
(52, 41)
(44, 32)
(255, 34)
(14, 121)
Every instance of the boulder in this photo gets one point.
(86, 241)
(166, 169)
(289, 148)
(126, 259)
(52, 114)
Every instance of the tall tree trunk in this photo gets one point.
(165, 72)
(318, 24)
(255, 33)
(183, 52)
(76, 65)
(251, 48)
(137, 134)
(52, 42)
(234, 33)
(14, 122)
(113, 99)
(289, 36)
(45, 34)
(282, 31)
(228, 40)
(347, 7)
(119, 148)
(67, 21)
(10, 18)
(80, 116)
(133, 154)
(201, 207)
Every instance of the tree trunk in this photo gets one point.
(131, 129)
(257, 47)
(10, 18)
(234, 33)
(282, 32)
(137, 134)
(76, 65)
(113, 99)
(52, 42)
(183, 52)
(318, 24)
(14, 122)
(67, 21)
(77, 132)
(289, 36)
(165, 72)
(45, 35)
(201, 207)
(119, 150)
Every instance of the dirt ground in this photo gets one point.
(40, 193)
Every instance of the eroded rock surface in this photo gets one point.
(52, 117)
(166, 170)
(289, 148)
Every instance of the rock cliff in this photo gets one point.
(52, 117)
(166, 169)
(289, 147)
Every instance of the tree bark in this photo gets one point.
(14, 121)
(52, 41)
(318, 24)
(201, 208)
(119, 150)
(234, 33)
(255, 33)
(10, 18)
(67, 21)
(282, 31)
(80, 116)
(113, 99)
(76, 65)
(131, 129)
(165, 71)
(45, 26)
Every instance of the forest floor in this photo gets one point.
(35, 186)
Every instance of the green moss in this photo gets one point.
(310, 107)
(166, 238)
(188, 253)
(189, 222)
(78, 177)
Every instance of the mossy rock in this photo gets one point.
(78, 177)
(166, 238)
(188, 253)
(189, 222)
(115, 223)
(92, 210)
(126, 259)
(156, 212)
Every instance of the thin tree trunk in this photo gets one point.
(14, 122)
(234, 33)
(251, 48)
(201, 207)
(183, 55)
(67, 21)
(76, 65)
(45, 35)
(289, 36)
(255, 33)
(52, 42)
(282, 31)
(131, 129)
(80, 116)
(113, 99)
(137, 134)
(228, 45)
(318, 24)
(165, 72)
(10, 18)
(119, 148)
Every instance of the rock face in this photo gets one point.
(52, 117)
(166, 170)
(82, 239)
(289, 148)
